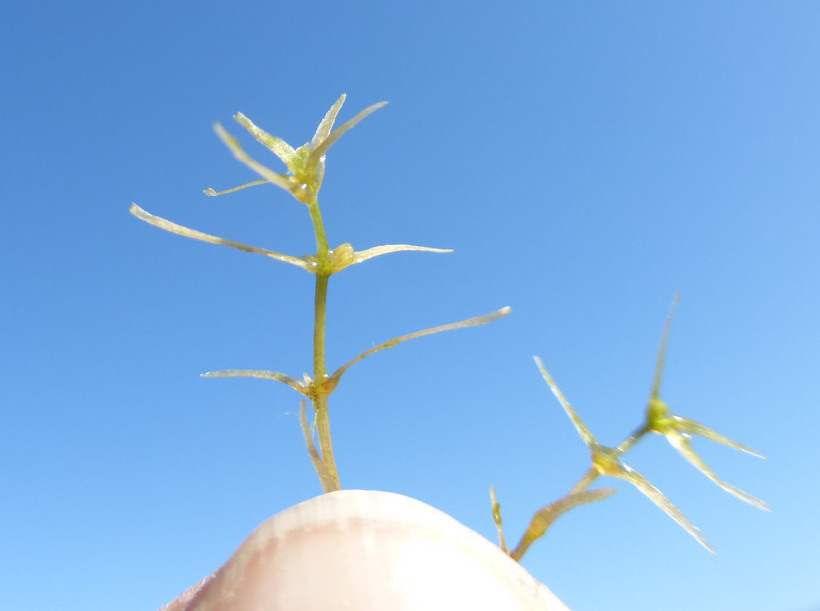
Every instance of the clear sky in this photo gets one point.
(585, 160)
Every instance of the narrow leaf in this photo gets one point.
(682, 445)
(582, 429)
(280, 180)
(656, 385)
(470, 322)
(253, 373)
(162, 223)
(327, 122)
(279, 147)
(690, 426)
(657, 497)
(320, 151)
(212, 193)
(376, 251)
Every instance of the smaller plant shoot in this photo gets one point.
(607, 460)
(305, 171)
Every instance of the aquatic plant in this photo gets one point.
(302, 179)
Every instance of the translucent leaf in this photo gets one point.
(341, 257)
(582, 429)
(470, 322)
(212, 193)
(327, 122)
(656, 385)
(657, 497)
(681, 444)
(317, 153)
(279, 147)
(695, 428)
(344, 256)
(264, 375)
(280, 180)
(162, 223)
(377, 251)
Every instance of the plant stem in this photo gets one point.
(319, 317)
(319, 398)
(320, 407)
(322, 247)
(633, 438)
(320, 403)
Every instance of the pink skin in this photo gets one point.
(366, 551)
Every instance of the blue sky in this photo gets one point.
(585, 160)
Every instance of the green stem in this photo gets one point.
(320, 403)
(322, 247)
(319, 317)
(325, 443)
(319, 399)
(634, 438)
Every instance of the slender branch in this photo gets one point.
(634, 438)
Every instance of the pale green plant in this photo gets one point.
(303, 180)
(608, 461)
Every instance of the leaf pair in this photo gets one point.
(309, 387)
(341, 257)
